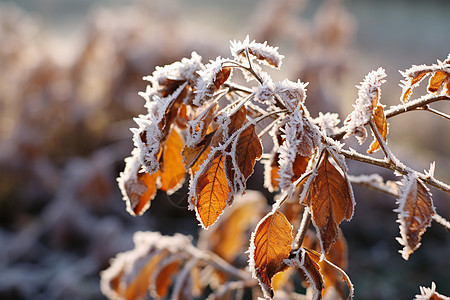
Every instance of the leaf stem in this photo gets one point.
(437, 112)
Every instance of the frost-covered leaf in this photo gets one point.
(310, 268)
(381, 124)
(131, 273)
(300, 141)
(270, 244)
(292, 93)
(138, 187)
(319, 259)
(415, 213)
(212, 192)
(337, 255)
(369, 94)
(210, 80)
(262, 52)
(244, 152)
(329, 196)
(155, 127)
(439, 80)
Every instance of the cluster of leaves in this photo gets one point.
(202, 123)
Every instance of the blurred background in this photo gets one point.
(69, 76)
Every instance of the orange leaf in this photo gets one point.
(330, 199)
(163, 276)
(436, 81)
(415, 213)
(212, 192)
(138, 188)
(138, 288)
(381, 123)
(248, 150)
(270, 245)
(228, 237)
(173, 171)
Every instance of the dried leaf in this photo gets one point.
(139, 286)
(132, 273)
(437, 80)
(138, 188)
(240, 163)
(191, 155)
(337, 255)
(318, 258)
(415, 213)
(211, 192)
(330, 199)
(173, 172)
(162, 277)
(221, 77)
(270, 245)
(380, 121)
(229, 236)
(310, 268)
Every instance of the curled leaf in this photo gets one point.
(415, 213)
(138, 187)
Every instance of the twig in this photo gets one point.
(437, 112)
(414, 104)
(395, 167)
(301, 233)
(375, 182)
(399, 109)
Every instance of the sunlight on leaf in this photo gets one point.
(270, 245)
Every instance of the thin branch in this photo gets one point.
(414, 104)
(441, 221)
(301, 233)
(402, 108)
(395, 167)
(376, 183)
(437, 112)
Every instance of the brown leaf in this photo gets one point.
(337, 255)
(173, 172)
(270, 245)
(380, 121)
(248, 150)
(318, 258)
(222, 76)
(437, 80)
(330, 199)
(310, 268)
(212, 192)
(415, 213)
